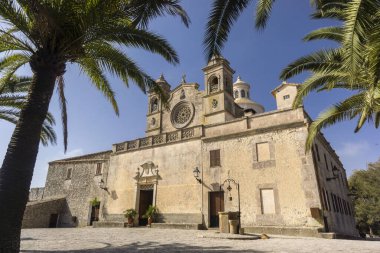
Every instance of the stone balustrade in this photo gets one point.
(160, 139)
(257, 122)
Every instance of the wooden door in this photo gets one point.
(94, 214)
(53, 220)
(216, 206)
(146, 199)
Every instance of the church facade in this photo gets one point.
(208, 151)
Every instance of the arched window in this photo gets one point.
(214, 87)
(242, 92)
(183, 95)
(154, 105)
(236, 94)
(247, 94)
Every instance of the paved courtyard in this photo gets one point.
(114, 240)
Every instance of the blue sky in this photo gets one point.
(258, 57)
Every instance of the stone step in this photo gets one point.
(326, 235)
(186, 226)
(287, 231)
(109, 224)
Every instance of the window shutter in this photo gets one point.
(215, 158)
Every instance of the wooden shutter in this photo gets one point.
(98, 168)
(215, 158)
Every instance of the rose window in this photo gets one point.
(182, 114)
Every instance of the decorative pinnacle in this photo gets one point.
(183, 78)
(161, 78)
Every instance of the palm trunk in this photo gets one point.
(18, 165)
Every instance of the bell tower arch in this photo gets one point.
(154, 116)
(218, 103)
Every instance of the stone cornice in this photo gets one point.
(242, 126)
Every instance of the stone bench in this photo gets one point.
(108, 224)
(186, 226)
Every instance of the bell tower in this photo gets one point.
(155, 108)
(218, 103)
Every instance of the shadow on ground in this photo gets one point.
(151, 247)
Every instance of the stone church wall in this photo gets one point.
(36, 193)
(177, 192)
(79, 190)
(341, 219)
(194, 96)
(37, 214)
(288, 170)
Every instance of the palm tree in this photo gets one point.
(47, 35)
(12, 98)
(353, 66)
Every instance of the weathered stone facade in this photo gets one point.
(221, 134)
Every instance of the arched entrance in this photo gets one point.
(146, 189)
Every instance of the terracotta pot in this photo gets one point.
(130, 220)
(150, 220)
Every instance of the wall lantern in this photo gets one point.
(196, 173)
(102, 185)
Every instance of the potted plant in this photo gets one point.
(95, 202)
(150, 212)
(130, 214)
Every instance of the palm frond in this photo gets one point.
(116, 62)
(357, 23)
(331, 33)
(317, 82)
(223, 14)
(263, 10)
(14, 15)
(317, 62)
(377, 119)
(143, 39)
(142, 12)
(90, 67)
(9, 115)
(346, 110)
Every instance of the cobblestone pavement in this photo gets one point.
(104, 240)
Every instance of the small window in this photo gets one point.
(267, 201)
(324, 199)
(215, 158)
(327, 165)
(345, 207)
(247, 94)
(154, 105)
(98, 169)
(214, 85)
(349, 209)
(183, 95)
(286, 97)
(69, 173)
(335, 203)
(242, 93)
(317, 150)
(263, 152)
(328, 200)
(236, 94)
